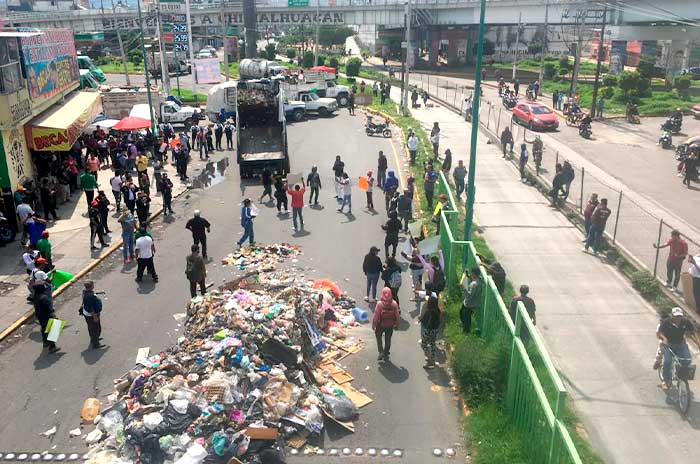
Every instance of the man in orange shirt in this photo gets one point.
(297, 204)
(93, 165)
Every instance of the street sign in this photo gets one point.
(181, 47)
(297, 3)
(404, 44)
(171, 7)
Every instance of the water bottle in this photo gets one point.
(360, 315)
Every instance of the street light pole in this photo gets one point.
(517, 43)
(121, 50)
(544, 42)
(469, 216)
(601, 54)
(407, 65)
(224, 27)
(318, 3)
(145, 68)
(193, 68)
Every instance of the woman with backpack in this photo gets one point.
(385, 321)
(430, 318)
(392, 277)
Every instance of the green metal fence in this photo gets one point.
(535, 394)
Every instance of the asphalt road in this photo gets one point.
(413, 410)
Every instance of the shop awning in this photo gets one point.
(57, 128)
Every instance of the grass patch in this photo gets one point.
(493, 437)
(187, 95)
(116, 67)
(533, 65)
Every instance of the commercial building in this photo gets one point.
(41, 113)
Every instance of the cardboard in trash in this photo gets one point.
(360, 399)
(261, 433)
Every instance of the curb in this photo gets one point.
(24, 318)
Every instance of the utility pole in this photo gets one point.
(599, 62)
(544, 42)
(318, 33)
(154, 129)
(164, 74)
(517, 44)
(250, 23)
(191, 47)
(471, 191)
(577, 58)
(407, 65)
(224, 27)
(121, 50)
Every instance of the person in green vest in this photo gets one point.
(89, 184)
(44, 247)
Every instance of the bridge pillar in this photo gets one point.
(618, 56)
(434, 35)
(457, 47)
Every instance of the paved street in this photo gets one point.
(413, 410)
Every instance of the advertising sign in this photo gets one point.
(208, 71)
(16, 164)
(50, 62)
(62, 138)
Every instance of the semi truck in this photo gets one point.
(118, 102)
(261, 127)
(223, 96)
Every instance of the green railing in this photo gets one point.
(535, 394)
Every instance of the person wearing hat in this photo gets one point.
(95, 225)
(372, 268)
(199, 228)
(247, 223)
(44, 247)
(672, 332)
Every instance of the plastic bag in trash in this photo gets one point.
(110, 421)
(152, 420)
(195, 455)
(341, 408)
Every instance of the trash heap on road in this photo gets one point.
(255, 370)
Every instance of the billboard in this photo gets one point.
(50, 62)
(208, 70)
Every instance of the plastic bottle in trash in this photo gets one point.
(91, 408)
(360, 315)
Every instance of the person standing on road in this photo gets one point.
(555, 100)
(218, 134)
(430, 319)
(425, 98)
(88, 183)
(524, 156)
(588, 213)
(506, 139)
(351, 103)
(338, 169)
(404, 209)
(199, 228)
(103, 207)
(385, 321)
(694, 271)
(116, 183)
(143, 206)
(91, 311)
(347, 193)
(128, 223)
(43, 309)
(44, 248)
(280, 195)
(565, 103)
(447, 162)
(266, 177)
(382, 165)
(247, 221)
(313, 180)
(472, 288)
(129, 192)
(391, 185)
(392, 277)
(429, 181)
(141, 164)
(412, 144)
(228, 131)
(145, 251)
(196, 272)
(370, 191)
(435, 139)
(297, 194)
(167, 192)
(392, 228)
(598, 219)
(95, 225)
(600, 106)
(678, 250)
(568, 175)
(459, 174)
(372, 268)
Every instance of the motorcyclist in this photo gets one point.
(585, 123)
(677, 116)
(672, 332)
(632, 109)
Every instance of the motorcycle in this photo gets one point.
(633, 117)
(666, 140)
(573, 119)
(672, 125)
(509, 102)
(585, 131)
(375, 129)
(7, 234)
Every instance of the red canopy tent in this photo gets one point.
(326, 69)
(132, 123)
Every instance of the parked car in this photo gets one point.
(696, 111)
(207, 52)
(694, 73)
(535, 116)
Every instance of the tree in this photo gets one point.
(136, 57)
(308, 60)
(682, 85)
(610, 80)
(271, 51)
(564, 67)
(643, 86)
(607, 92)
(262, 54)
(550, 70)
(352, 68)
(291, 53)
(333, 62)
(628, 81)
(646, 67)
(321, 60)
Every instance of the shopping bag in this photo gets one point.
(53, 329)
(363, 183)
(254, 210)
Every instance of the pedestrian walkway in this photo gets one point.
(70, 239)
(599, 330)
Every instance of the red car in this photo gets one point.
(535, 116)
(696, 111)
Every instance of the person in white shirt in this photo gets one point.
(29, 258)
(116, 183)
(694, 270)
(145, 249)
(412, 147)
(24, 212)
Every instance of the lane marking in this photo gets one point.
(398, 164)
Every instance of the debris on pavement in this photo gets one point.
(76, 432)
(49, 433)
(255, 370)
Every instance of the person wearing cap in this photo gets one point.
(199, 228)
(672, 332)
(166, 189)
(372, 268)
(38, 277)
(95, 225)
(88, 183)
(313, 180)
(247, 223)
(196, 272)
(370, 191)
(677, 252)
(91, 311)
(44, 247)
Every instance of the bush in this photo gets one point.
(563, 72)
(262, 54)
(136, 57)
(550, 70)
(352, 67)
(646, 67)
(682, 85)
(308, 59)
(494, 437)
(564, 62)
(271, 51)
(645, 284)
(607, 92)
(482, 377)
(291, 53)
(610, 80)
(321, 60)
(643, 86)
(333, 62)
(628, 81)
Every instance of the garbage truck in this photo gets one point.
(261, 127)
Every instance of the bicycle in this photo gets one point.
(680, 375)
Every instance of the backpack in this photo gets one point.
(438, 281)
(395, 279)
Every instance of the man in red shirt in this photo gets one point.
(678, 250)
(297, 204)
(598, 220)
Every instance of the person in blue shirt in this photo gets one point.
(391, 184)
(247, 223)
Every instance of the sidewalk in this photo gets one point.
(70, 240)
(600, 331)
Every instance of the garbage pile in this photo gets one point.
(255, 371)
(261, 257)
